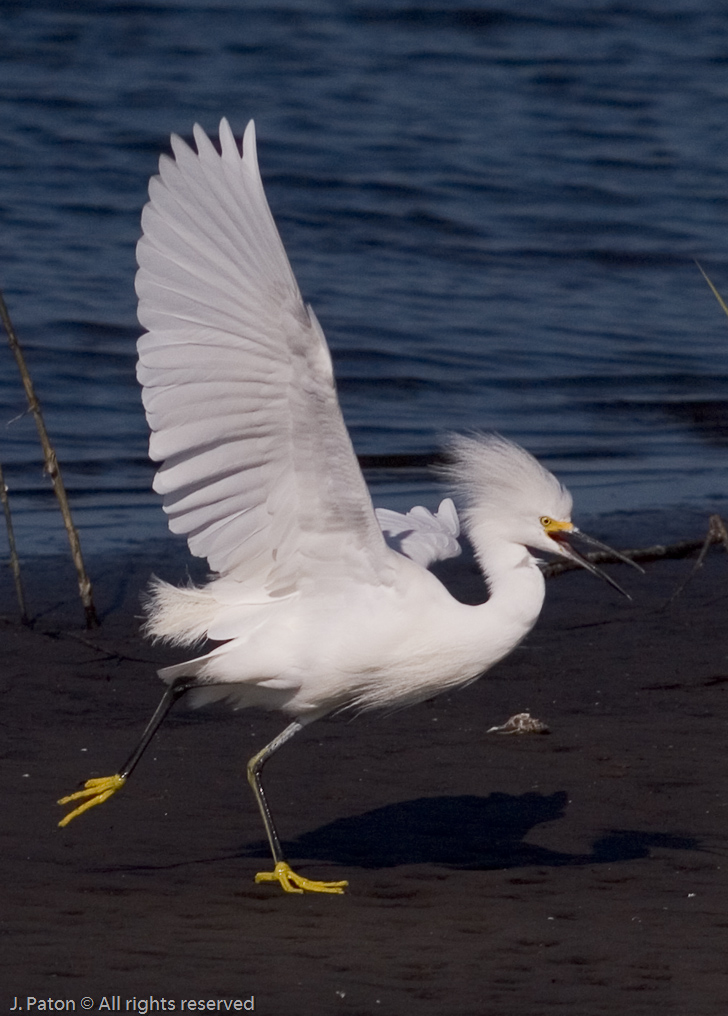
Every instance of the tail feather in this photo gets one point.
(178, 615)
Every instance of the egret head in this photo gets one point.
(511, 498)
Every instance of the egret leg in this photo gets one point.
(100, 789)
(282, 873)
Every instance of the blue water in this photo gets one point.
(494, 209)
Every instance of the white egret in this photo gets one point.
(313, 612)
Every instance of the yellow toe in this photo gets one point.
(293, 883)
(96, 790)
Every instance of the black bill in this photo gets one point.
(569, 552)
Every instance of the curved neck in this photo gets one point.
(515, 583)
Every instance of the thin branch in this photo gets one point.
(717, 533)
(53, 470)
(713, 290)
(14, 561)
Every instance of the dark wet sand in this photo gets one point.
(584, 872)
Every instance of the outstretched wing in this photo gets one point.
(258, 468)
(420, 535)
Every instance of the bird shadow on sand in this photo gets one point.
(466, 832)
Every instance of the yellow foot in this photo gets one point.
(98, 790)
(293, 883)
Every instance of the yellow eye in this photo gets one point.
(546, 521)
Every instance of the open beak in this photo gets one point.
(567, 550)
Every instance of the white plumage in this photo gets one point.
(314, 612)
(420, 535)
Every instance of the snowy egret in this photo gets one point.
(313, 609)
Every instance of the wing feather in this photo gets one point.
(258, 470)
(420, 535)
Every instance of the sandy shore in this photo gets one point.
(581, 872)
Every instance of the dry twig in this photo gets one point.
(717, 533)
(53, 470)
(14, 561)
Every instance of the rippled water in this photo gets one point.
(494, 209)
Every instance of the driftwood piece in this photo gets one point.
(717, 533)
(658, 552)
(53, 470)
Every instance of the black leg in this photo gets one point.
(175, 691)
(282, 872)
(100, 789)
